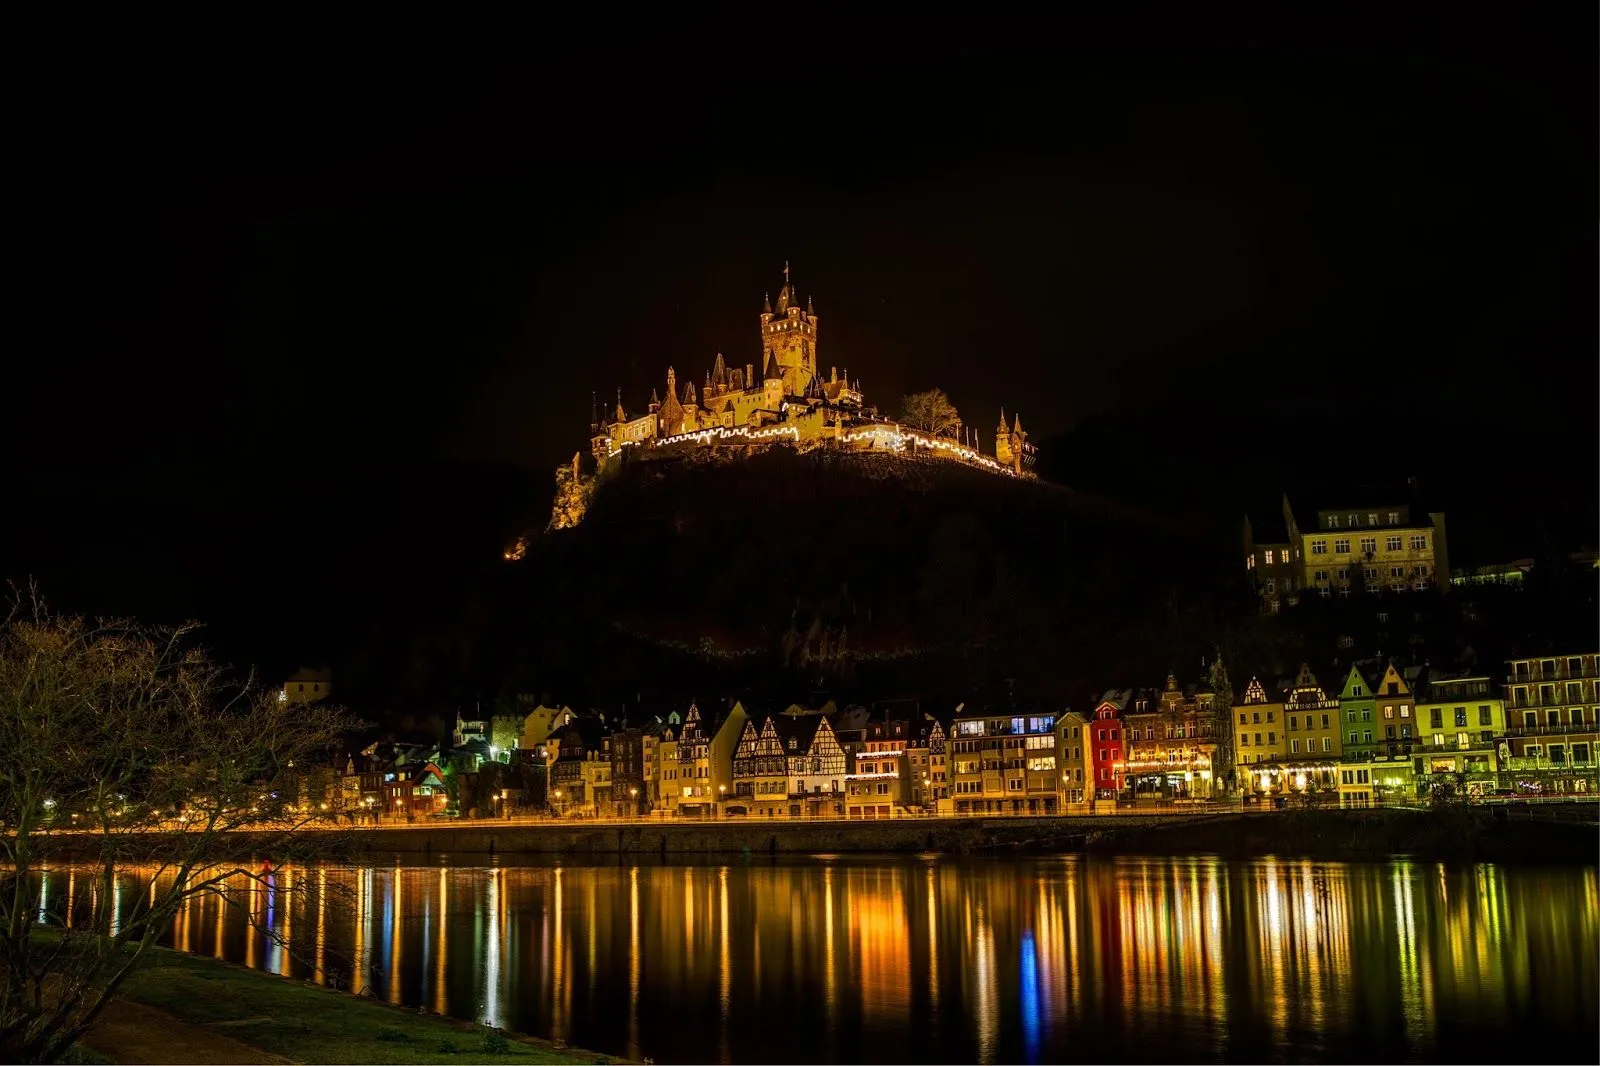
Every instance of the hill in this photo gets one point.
(855, 573)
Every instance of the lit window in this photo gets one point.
(1269, 556)
(1319, 547)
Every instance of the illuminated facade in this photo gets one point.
(1552, 724)
(705, 760)
(816, 765)
(1459, 723)
(1171, 744)
(1075, 758)
(1108, 744)
(1379, 729)
(880, 784)
(1303, 747)
(1003, 763)
(760, 772)
(1344, 550)
(787, 398)
(1258, 736)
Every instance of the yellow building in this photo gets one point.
(1377, 548)
(1460, 721)
(705, 760)
(1258, 739)
(1074, 760)
(306, 686)
(879, 786)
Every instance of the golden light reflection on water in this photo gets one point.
(890, 959)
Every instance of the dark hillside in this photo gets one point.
(871, 573)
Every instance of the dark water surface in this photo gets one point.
(892, 959)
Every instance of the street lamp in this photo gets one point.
(633, 793)
(558, 803)
(722, 798)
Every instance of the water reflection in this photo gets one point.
(892, 960)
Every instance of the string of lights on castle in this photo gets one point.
(790, 402)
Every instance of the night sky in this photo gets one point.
(288, 320)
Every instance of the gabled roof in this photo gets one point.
(801, 728)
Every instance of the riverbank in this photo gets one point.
(187, 1008)
(1469, 835)
(1475, 833)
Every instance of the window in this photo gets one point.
(1461, 717)
(1272, 738)
(1580, 754)
(1394, 518)
(1294, 747)
(1294, 723)
(1319, 547)
(1242, 718)
(1436, 718)
(1419, 542)
(1388, 710)
(1269, 556)
(1397, 572)
(1244, 739)
(1255, 717)
(1372, 519)
(1258, 739)
(1352, 739)
(1341, 546)
(1327, 744)
(1042, 762)
(1369, 545)
(1325, 724)
(1322, 575)
(1405, 710)
(1392, 543)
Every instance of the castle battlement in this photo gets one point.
(788, 402)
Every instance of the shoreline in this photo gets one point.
(1464, 834)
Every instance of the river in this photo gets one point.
(895, 959)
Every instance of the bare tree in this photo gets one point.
(126, 745)
(932, 412)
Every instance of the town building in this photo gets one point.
(579, 783)
(1459, 724)
(630, 791)
(307, 685)
(705, 760)
(1379, 724)
(1343, 548)
(1107, 746)
(1171, 744)
(879, 785)
(760, 771)
(1074, 759)
(1258, 738)
(414, 791)
(1003, 763)
(816, 764)
(1314, 732)
(1552, 724)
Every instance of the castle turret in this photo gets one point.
(655, 403)
(791, 335)
(671, 417)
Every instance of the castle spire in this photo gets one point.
(622, 416)
(766, 303)
(1003, 427)
(1017, 426)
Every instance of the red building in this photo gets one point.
(416, 791)
(1106, 744)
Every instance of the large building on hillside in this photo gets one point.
(1344, 550)
(784, 396)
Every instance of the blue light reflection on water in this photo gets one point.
(1030, 996)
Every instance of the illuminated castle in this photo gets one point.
(786, 399)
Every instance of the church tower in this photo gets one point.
(790, 335)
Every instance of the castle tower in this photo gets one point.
(1002, 443)
(774, 383)
(790, 334)
(671, 416)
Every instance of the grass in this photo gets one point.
(310, 1024)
